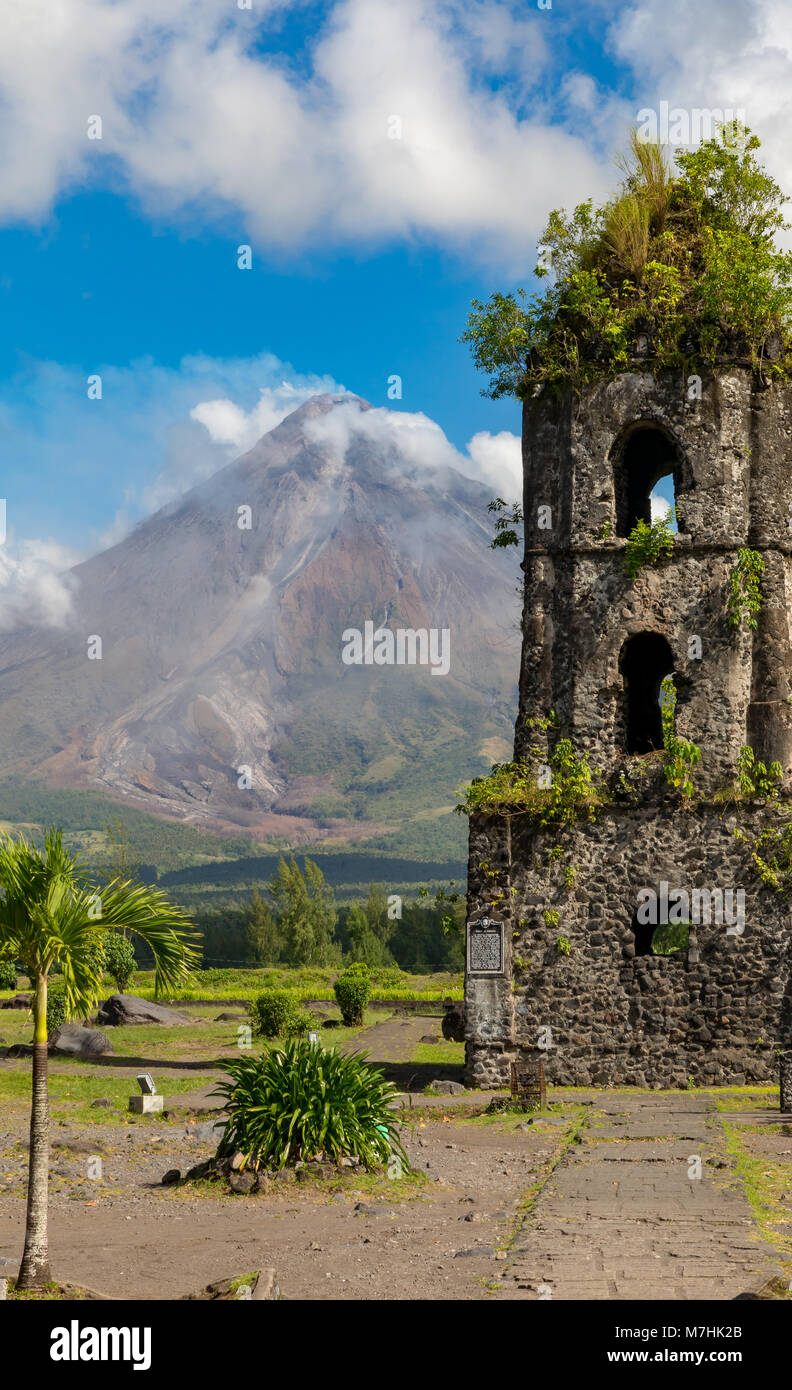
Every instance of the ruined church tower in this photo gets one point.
(559, 963)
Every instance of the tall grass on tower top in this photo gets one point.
(301, 1101)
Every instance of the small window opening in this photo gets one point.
(645, 480)
(643, 933)
(664, 940)
(645, 661)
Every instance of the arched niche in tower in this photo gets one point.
(645, 660)
(642, 458)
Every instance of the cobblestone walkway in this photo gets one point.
(621, 1218)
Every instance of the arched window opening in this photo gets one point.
(645, 660)
(646, 479)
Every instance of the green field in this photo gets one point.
(307, 982)
(389, 985)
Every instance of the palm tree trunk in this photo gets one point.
(35, 1270)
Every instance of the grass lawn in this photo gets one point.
(767, 1183)
(71, 1094)
(201, 1041)
(444, 1054)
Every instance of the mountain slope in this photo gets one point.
(221, 647)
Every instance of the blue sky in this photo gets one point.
(271, 127)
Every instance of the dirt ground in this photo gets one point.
(432, 1236)
(463, 1225)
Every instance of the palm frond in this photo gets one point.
(52, 914)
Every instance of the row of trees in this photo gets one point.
(297, 922)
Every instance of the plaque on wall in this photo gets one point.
(485, 946)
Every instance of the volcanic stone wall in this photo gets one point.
(733, 481)
(605, 1012)
(715, 1013)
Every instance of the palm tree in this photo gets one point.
(52, 913)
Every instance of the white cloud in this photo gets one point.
(237, 430)
(35, 586)
(498, 460)
(659, 506)
(203, 116)
(725, 55)
(402, 436)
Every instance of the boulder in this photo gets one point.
(210, 1132)
(447, 1088)
(230, 1018)
(19, 1001)
(170, 1178)
(200, 1170)
(453, 1024)
(127, 1010)
(242, 1182)
(76, 1041)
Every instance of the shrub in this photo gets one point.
(646, 544)
(681, 756)
(277, 1014)
(8, 974)
(572, 791)
(670, 937)
(56, 1005)
(685, 259)
(352, 991)
(119, 960)
(303, 1101)
(754, 778)
(387, 976)
(745, 594)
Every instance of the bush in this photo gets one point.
(119, 960)
(56, 1005)
(8, 974)
(277, 1014)
(647, 544)
(352, 991)
(303, 1102)
(686, 260)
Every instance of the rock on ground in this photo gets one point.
(127, 1009)
(76, 1041)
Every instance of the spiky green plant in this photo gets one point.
(647, 176)
(302, 1101)
(626, 234)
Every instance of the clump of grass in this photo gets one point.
(301, 1101)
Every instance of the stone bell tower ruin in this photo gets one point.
(559, 965)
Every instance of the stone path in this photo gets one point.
(393, 1040)
(620, 1217)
